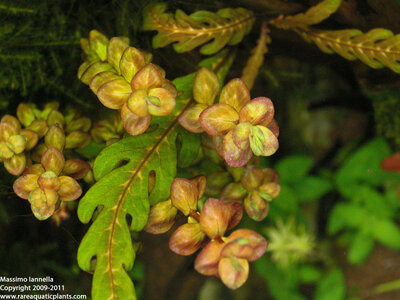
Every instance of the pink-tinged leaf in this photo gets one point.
(25, 114)
(43, 212)
(184, 195)
(69, 189)
(51, 196)
(234, 191)
(49, 180)
(214, 218)
(98, 43)
(77, 139)
(16, 143)
(36, 169)
(233, 271)
(115, 49)
(274, 127)
(207, 260)
(187, 239)
(240, 135)
(256, 207)
(189, 119)
(169, 86)
(39, 126)
(7, 130)
(234, 156)
(235, 213)
(161, 217)
(76, 168)
(165, 103)
(205, 86)
(94, 69)
(256, 241)
(392, 163)
(201, 182)
(258, 110)
(218, 144)
(55, 137)
(262, 141)
(37, 198)
(134, 124)
(270, 175)
(252, 178)
(5, 151)
(101, 79)
(131, 62)
(25, 184)
(114, 94)
(137, 103)
(31, 138)
(218, 119)
(13, 121)
(53, 160)
(235, 93)
(147, 78)
(270, 188)
(16, 164)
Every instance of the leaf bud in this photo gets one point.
(39, 126)
(161, 217)
(25, 114)
(233, 271)
(55, 137)
(207, 260)
(77, 139)
(184, 195)
(76, 168)
(55, 117)
(187, 239)
(256, 207)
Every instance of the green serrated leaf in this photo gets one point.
(331, 287)
(293, 168)
(386, 232)
(122, 171)
(226, 26)
(346, 215)
(363, 166)
(372, 201)
(312, 188)
(309, 274)
(360, 248)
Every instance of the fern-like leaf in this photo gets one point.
(376, 48)
(256, 59)
(314, 15)
(122, 190)
(226, 26)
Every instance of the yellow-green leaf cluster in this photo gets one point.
(377, 48)
(314, 15)
(226, 26)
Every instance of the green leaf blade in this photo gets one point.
(122, 190)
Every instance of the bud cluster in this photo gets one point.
(123, 78)
(240, 127)
(33, 145)
(256, 188)
(224, 257)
